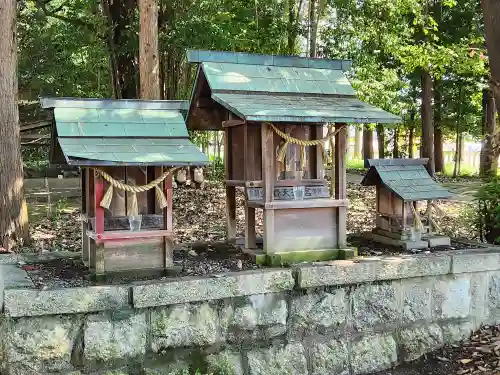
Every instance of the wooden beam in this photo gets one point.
(230, 123)
(299, 204)
(35, 125)
(268, 163)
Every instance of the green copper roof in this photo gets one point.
(407, 178)
(111, 132)
(275, 79)
(93, 122)
(310, 109)
(199, 56)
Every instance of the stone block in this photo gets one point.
(225, 363)
(38, 345)
(436, 240)
(478, 294)
(343, 272)
(202, 289)
(289, 360)
(451, 297)
(493, 299)
(319, 312)
(184, 325)
(116, 336)
(455, 332)
(30, 302)
(256, 317)
(415, 342)
(373, 353)
(15, 277)
(329, 358)
(476, 261)
(374, 305)
(416, 300)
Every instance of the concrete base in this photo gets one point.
(435, 240)
(405, 244)
(293, 257)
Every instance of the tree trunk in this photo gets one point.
(458, 141)
(395, 149)
(120, 15)
(411, 135)
(489, 158)
(148, 50)
(427, 125)
(293, 24)
(367, 144)
(381, 141)
(491, 16)
(313, 27)
(358, 145)
(13, 209)
(438, 132)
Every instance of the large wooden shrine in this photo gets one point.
(128, 151)
(277, 112)
(401, 184)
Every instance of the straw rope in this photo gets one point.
(134, 189)
(416, 217)
(303, 143)
(439, 213)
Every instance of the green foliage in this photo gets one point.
(488, 199)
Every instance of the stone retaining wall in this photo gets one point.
(337, 318)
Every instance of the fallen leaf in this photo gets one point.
(484, 349)
(442, 359)
(465, 361)
(482, 368)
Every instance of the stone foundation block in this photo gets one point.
(225, 363)
(318, 313)
(451, 297)
(257, 317)
(289, 360)
(38, 345)
(116, 336)
(416, 300)
(184, 325)
(415, 342)
(329, 358)
(374, 304)
(373, 353)
(494, 298)
(455, 332)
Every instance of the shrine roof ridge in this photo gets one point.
(200, 56)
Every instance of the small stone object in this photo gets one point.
(192, 253)
(239, 264)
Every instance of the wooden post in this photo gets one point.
(320, 163)
(98, 256)
(249, 174)
(149, 67)
(340, 182)
(230, 190)
(268, 177)
(250, 237)
(168, 224)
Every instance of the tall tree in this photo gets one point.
(148, 50)
(367, 143)
(489, 151)
(381, 141)
(293, 24)
(13, 211)
(427, 143)
(438, 130)
(491, 15)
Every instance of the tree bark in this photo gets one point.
(381, 141)
(427, 125)
(438, 132)
(149, 68)
(293, 24)
(489, 155)
(358, 142)
(313, 27)
(395, 149)
(411, 135)
(491, 16)
(367, 144)
(13, 209)
(120, 15)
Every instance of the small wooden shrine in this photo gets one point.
(277, 112)
(128, 151)
(401, 184)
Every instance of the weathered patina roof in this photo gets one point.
(407, 178)
(288, 108)
(279, 89)
(124, 132)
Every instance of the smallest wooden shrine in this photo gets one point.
(128, 151)
(401, 184)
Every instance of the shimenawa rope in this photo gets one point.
(132, 207)
(303, 143)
